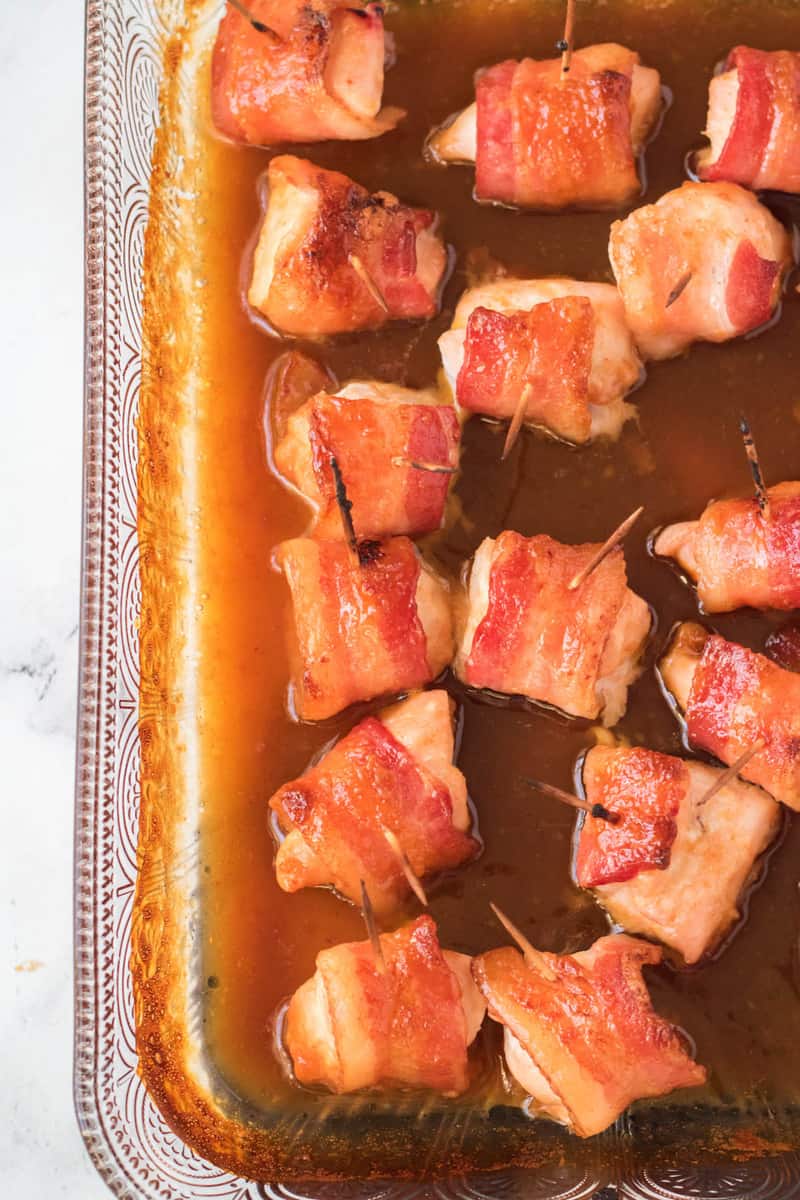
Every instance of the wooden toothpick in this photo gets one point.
(259, 26)
(345, 507)
(608, 545)
(533, 957)
(594, 810)
(724, 777)
(368, 914)
(367, 280)
(411, 876)
(762, 495)
(516, 421)
(565, 45)
(433, 468)
(679, 289)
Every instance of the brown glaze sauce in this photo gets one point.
(742, 1009)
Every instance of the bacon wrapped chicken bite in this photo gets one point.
(753, 121)
(359, 1024)
(396, 449)
(581, 1036)
(739, 557)
(704, 263)
(393, 773)
(365, 624)
(313, 72)
(735, 701)
(529, 633)
(671, 865)
(331, 258)
(564, 343)
(542, 141)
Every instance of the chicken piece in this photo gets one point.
(753, 121)
(674, 865)
(736, 556)
(392, 772)
(538, 141)
(528, 633)
(376, 433)
(354, 1026)
(364, 625)
(292, 379)
(732, 699)
(704, 263)
(331, 258)
(568, 340)
(315, 73)
(581, 1036)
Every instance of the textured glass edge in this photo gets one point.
(134, 1151)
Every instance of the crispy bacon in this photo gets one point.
(528, 633)
(674, 866)
(705, 262)
(644, 790)
(568, 340)
(541, 141)
(392, 772)
(733, 699)
(588, 1042)
(363, 626)
(547, 350)
(331, 258)
(375, 432)
(736, 556)
(753, 121)
(317, 75)
(353, 1026)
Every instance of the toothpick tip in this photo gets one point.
(608, 545)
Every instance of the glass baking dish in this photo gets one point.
(136, 1149)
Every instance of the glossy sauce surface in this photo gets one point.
(742, 1009)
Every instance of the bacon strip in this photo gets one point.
(686, 857)
(331, 258)
(529, 634)
(547, 350)
(546, 329)
(761, 147)
(739, 698)
(374, 440)
(370, 782)
(739, 558)
(591, 1036)
(544, 142)
(362, 628)
(715, 239)
(644, 789)
(319, 75)
(351, 1026)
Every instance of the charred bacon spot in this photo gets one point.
(369, 552)
(600, 812)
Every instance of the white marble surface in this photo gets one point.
(41, 319)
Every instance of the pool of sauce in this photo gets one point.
(741, 1010)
